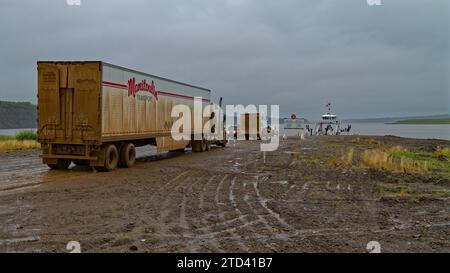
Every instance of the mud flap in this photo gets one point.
(100, 162)
(165, 144)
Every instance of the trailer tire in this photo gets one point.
(111, 158)
(127, 155)
(62, 164)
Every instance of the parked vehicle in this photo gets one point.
(251, 125)
(95, 113)
(233, 132)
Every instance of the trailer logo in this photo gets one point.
(374, 2)
(134, 87)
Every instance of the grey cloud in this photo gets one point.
(369, 61)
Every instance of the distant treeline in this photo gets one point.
(424, 121)
(399, 120)
(15, 115)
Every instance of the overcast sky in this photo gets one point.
(369, 61)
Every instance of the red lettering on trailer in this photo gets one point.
(134, 87)
(159, 93)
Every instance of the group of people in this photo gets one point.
(329, 129)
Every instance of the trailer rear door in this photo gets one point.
(68, 102)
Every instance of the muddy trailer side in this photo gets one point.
(95, 113)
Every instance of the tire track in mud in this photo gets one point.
(221, 212)
(252, 161)
(197, 235)
(193, 244)
(251, 220)
(243, 217)
(165, 204)
(205, 229)
(173, 212)
(216, 232)
(263, 203)
(164, 187)
(278, 228)
(160, 203)
(248, 220)
(238, 222)
(258, 215)
(225, 228)
(215, 225)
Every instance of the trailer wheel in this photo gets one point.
(62, 164)
(111, 158)
(196, 146)
(127, 155)
(208, 145)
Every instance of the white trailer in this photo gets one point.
(97, 113)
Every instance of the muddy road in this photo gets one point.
(233, 199)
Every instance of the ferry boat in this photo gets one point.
(330, 124)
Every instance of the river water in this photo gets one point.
(13, 132)
(401, 130)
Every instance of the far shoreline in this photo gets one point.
(444, 121)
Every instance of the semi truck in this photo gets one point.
(251, 125)
(95, 113)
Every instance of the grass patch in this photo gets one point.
(397, 159)
(348, 157)
(13, 145)
(23, 141)
(2, 138)
(394, 159)
(436, 162)
(26, 135)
